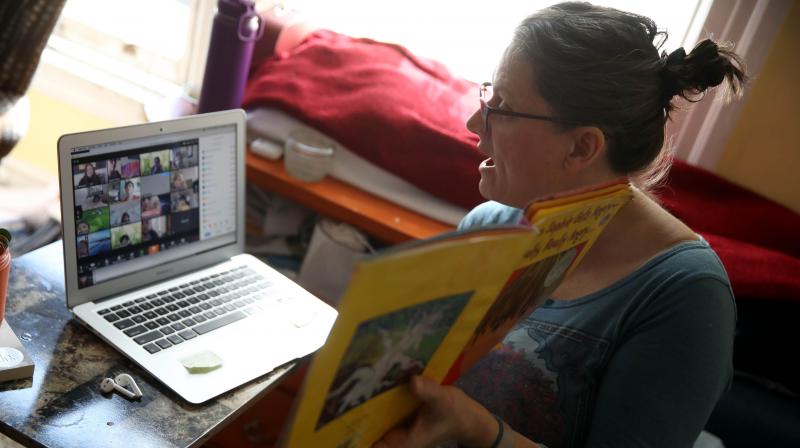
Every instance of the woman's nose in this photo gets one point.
(474, 122)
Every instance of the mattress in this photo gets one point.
(276, 126)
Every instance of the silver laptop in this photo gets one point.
(153, 219)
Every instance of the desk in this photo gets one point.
(62, 405)
(377, 217)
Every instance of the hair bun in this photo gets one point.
(706, 66)
(676, 57)
(671, 85)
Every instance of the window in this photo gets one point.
(150, 49)
(143, 49)
(470, 35)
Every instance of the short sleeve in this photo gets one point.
(670, 369)
(490, 213)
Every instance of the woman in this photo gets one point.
(89, 178)
(113, 172)
(635, 347)
(83, 249)
(156, 168)
(151, 206)
(178, 182)
(148, 233)
(82, 228)
(129, 194)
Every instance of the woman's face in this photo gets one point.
(89, 170)
(525, 156)
(128, 188)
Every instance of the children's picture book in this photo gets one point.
(433, 308)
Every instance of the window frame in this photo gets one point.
(699, 135)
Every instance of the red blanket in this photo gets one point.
(402, 113)
(756, 239)
(406, 115)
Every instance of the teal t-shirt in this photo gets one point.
(640, 363)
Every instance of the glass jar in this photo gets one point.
(308, 156)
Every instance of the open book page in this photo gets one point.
(566, 231)
(434, 308)
(398, 314)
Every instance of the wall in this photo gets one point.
(62, 103)
(763, 151)
(50, 118)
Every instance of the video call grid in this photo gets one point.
(137, 203)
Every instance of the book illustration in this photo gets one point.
(451, 268)
(392, 321)
(387, 350)
(526, 288)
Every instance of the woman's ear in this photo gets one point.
(589, 144)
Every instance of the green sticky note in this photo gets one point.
(202, 362)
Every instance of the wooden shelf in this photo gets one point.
(377, 217)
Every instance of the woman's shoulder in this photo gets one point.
(675, 279)
(491, 213)
(689, 261)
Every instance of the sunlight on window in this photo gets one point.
(467, 35)
(160, 27)
(156, 25)
(159, 45)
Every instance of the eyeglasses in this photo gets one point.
(486, 95)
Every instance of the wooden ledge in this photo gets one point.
(377, 217)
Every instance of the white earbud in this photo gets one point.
(109, 385)
(125, 380)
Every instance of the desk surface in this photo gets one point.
(378, 217)
(62, 405)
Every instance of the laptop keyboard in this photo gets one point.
(167, 318)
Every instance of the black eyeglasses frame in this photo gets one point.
(487, 110)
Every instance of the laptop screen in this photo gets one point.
(144, 202)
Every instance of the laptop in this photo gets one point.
(153, 228)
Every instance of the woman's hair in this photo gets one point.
(600, 66)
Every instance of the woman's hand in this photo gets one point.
(447, 414)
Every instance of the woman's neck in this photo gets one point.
(638, 232)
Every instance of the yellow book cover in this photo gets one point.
(434, 308)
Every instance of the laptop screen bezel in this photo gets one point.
(149, 276)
